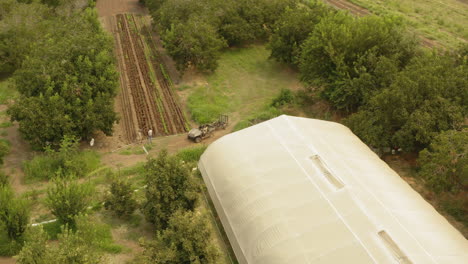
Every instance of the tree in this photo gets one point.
(292, 29)
(66, 88)
(195, 42)
(14, 213)
(429, 96)
(187, 239)
(170, 187)
(444, 164)
(341, 49)
(67, 199)
(35, 250)
(80, 245)
(121, 198)
(20, 25)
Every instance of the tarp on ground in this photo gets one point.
(295, 190)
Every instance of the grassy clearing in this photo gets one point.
(192, 154)
(7, 91)
(443, 21)
(245, 81)
(45, 166)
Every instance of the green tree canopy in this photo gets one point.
(121, 198)
(429, 96)
(14, 213)
(67, 199)
(195, 42)
(444, 164)
(187, 239)
(170, 187)
(67, 83)
(341, 49)
(293, 28)
(20, 25)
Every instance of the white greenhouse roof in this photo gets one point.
(297, 190)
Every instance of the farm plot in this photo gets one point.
(147, 99)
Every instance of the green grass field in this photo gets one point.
(444, 21)
(6, 91)
(245, 81)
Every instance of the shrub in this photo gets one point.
(121, 198)
(285, 97)
(444, 164)
(187, 239)
(14, 218)
(35, 249)
(67, 199)
(170, 187)
(84, 244)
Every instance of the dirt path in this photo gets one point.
(360, 11)
(19, 152)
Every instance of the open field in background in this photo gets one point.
(444, 21)
(245, 81)
(6, 90)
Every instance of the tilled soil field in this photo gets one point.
(147, 99)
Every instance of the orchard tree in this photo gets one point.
(293, 28)
(121, 198)
(444, 164)
(170, 187)
(187, 239)
(14, 213)
(66, 88)
(195, 43)
(428, 97)
(35, 249)
(80, 245)
(68, 198)
(20, 25)
(346, 54)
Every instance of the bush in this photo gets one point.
(444, 164)
(187, 239)
(14, 218)
(170, 187)
(347, 55)
(83, 245)
(427, 97)
(456, 206)
(35, 249)
(293, 28)
(67, 199)
(121, 198)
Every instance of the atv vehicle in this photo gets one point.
(206, 130)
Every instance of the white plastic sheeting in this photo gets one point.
(296, 190)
